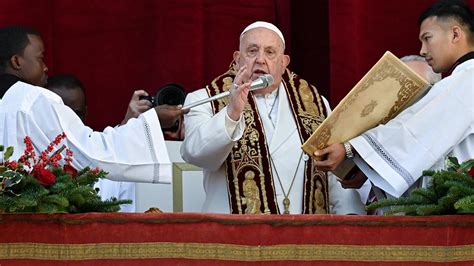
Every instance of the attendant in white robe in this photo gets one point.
(72, 92)
(421, 67)
(439, 125)
(133, 152)
(211, 137)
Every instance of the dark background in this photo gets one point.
(118, 46)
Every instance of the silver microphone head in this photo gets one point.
(262, 82)
(268, 78)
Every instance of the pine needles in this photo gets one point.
(450, 191)
(67, 195)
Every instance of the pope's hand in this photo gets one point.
(238, 94)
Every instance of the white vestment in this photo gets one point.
(135, 152)
(210, 138)
(440, 124)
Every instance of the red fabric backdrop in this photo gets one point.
(117, 46)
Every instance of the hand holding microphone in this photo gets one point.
(238, 94)
(261, 82)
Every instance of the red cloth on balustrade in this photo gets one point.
(211, 239)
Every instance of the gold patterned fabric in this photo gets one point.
(250, 181)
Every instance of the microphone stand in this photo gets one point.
(268, 81)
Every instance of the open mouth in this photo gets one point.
(259, 72)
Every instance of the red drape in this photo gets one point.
(223, 239)
(117, 46)
(360, 33)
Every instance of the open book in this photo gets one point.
(389, 87)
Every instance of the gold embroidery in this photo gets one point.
(250, 153)
(251, 194)
(232, 252)
(319, 199)
(307, 98)
(262, 185)
(310, 111)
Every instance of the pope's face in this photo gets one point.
(436, 44)
(262, 51)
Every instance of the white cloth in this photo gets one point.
(132, 152)
(210, 138)
(440, 124)
(120, 190)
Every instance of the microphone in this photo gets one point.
(261, 82)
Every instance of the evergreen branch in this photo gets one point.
(394, 202)
(428, 195)
(403, 209)
(465, 205)
(430, 209)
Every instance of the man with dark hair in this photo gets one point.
(132, 152)
(439, 125)
(21, 57)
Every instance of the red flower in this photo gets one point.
(70, 170)
(12, 164)
(44, 176)
(471, 172)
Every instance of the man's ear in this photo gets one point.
(457, 33)
(15, 62)
(236, 56)
(285, 61)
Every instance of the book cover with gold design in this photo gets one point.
(389, 87)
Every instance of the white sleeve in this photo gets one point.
(133, 152)
(209, 138)
(420, 137)
(326, 104)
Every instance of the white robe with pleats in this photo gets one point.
(440, 124)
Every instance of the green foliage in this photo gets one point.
(450, 191)
(7, 153)
(465, 205)
(44, 189)
(66, 195)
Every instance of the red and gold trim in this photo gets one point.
(221, 239)
(229, 252)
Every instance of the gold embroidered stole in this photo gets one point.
(250, 182)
